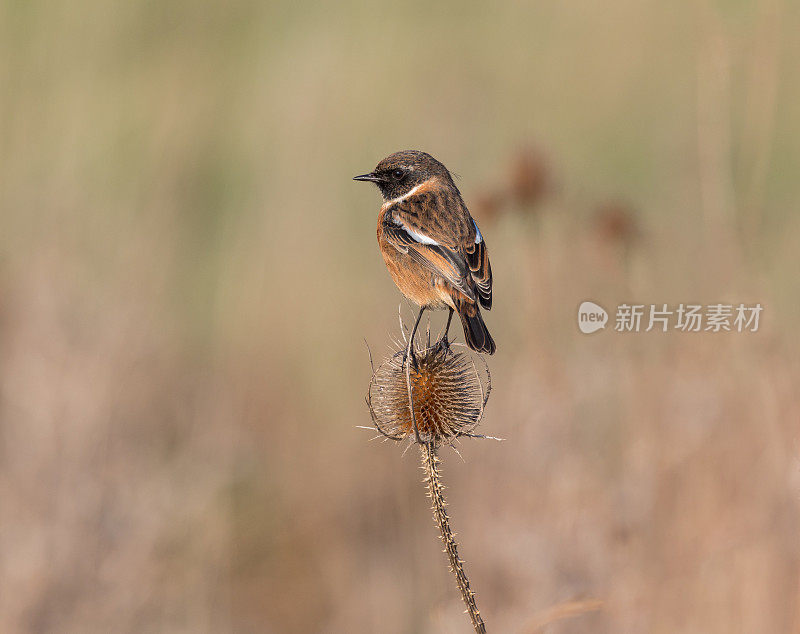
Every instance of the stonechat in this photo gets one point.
(432, 247)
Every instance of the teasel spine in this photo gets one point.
(433, 480)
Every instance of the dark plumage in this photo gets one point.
(431, 245)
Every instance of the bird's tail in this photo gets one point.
(475, 331)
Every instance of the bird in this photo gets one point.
(433, 248)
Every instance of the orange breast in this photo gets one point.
(414, 280)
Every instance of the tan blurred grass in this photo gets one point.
(187, 275)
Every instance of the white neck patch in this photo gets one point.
(408, 194)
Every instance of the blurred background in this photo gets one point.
(188, 276)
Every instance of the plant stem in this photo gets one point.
(409, 351)
(433, 479)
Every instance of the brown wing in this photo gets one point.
(435, 227)
(477, 257)
(440, 260)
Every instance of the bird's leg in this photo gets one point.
(410, 348)
(444, 340)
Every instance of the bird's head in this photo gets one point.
(400, 172)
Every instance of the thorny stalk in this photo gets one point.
(433, 479)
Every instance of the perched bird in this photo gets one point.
(431, 245)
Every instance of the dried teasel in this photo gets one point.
(447, 389)
(488, 204)
(530, 179)
(615, 223)
(435, 399)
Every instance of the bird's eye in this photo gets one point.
(398, 174)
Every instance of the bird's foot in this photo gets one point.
(444, 344)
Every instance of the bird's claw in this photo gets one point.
(444, 344)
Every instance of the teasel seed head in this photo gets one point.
(615, 223)
(448, 391)
(530, 179)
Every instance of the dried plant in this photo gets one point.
(448, 395)
(432, 402)
(529, 176)
(526, 181)
(433, 478)
(489, 203)
(615, 223)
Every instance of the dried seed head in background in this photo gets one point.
(529, 176)
(488, 203)
(449, 394)
(615, 223)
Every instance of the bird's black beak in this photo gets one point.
(368, 177)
